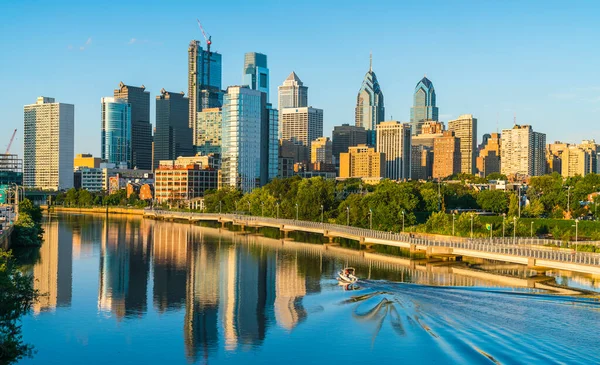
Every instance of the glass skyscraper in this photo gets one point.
(423, 105)
(370, 110)
(116, 131)
(256, 73)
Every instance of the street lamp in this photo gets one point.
(503, 219)
(514, 229)
(220, 206)
(262, 207)
(296, 211)
(370, 218)
(402, 221)
(453, 218)
(348, 215)
(249, 208)
(569, 200)
(277, 205)
(322, 212)
(532, 229)
(472, 225)
(576, 233)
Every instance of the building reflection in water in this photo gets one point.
(170, 250)
(124, 267)
(53, 272)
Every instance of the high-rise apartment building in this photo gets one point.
(553, 156)
(173, 136)
(321, 151)
(575, 161)
(446, 155)
(48, 144)
(301, 125)
(249, 139)
(465, 129)
(116, 131)
(593, 148)
(523, 152)
(424, 107)
(393, 140)
(207, 137)
(362, 161)
(141, 129)
(370, 109)
(345, 136)
(204, 81)
(293, 93)
(488, 160)
(256, 72)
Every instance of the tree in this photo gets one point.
(17, 295)
(85, 199)
(493, 201)
(496, 176)
(513, 206)
(535, 208)
(71, 197)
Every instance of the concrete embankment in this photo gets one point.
(103, 210)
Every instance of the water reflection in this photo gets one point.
(228, 291)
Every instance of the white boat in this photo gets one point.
(347, 275)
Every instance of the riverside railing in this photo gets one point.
(524, 247)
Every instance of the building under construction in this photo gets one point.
(11, 169)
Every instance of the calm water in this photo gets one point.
(128, 291)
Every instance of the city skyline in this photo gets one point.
(521, 53)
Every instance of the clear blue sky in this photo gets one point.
(536, 59)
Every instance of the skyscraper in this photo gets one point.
(293, 93)
(370, 109)
(249, 139)
(141, 129)
(48, 144)
(116, 131)
(301, 125)
(344, 136)
(256, 73)
(204, 80)
(523, 152)
(423, 105)
(173, 135)
(393, 140)
(465, 128)
(320, 151)
(207, 136)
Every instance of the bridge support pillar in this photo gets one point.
(413, 248)
(222, 224)
(285, 234)
(531, 262)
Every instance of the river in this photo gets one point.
(124, 290)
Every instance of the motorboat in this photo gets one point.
(347, 275)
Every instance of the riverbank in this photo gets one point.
(104, 210)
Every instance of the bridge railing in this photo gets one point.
(531, 248)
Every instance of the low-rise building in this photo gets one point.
(362, 161)
(184, 179)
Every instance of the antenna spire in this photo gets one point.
(371, 61)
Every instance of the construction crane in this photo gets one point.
(10, 142)
(208, 40)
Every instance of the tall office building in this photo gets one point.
(321, 151)
(204, 81)
(465, 128)
(48, 144)
(301, 125)
(256, 73)
(207, 136)
(393, 140)
(249, 139)
(446, 155)
(173, 135)
(423, 105)
(370, 109)
(141, 128)
(345, 136)
(523, 152)
(116, 131)
(293, 93)
(488, 160)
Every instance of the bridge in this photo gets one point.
(529, 252)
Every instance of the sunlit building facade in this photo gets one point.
(465, 129)
(393, 140)
(208, 131)
(424, 105)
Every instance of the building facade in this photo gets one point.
(11, 169)
(394, 141)
(301, 125)
(321, 151)
(292, 93)
(141, 129)
(488, 161)
(446, 156)
(424, 105)
(256, 73)
(86, 160)
(345, 136)
(48, 144)
(523, 152)
(207, 135)
(362, 161)
(116, 131)
(370, 109)
(465, 129)
(173, 136)
(421, 158)
(204, 80)
(184, 179)
(575, 161)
